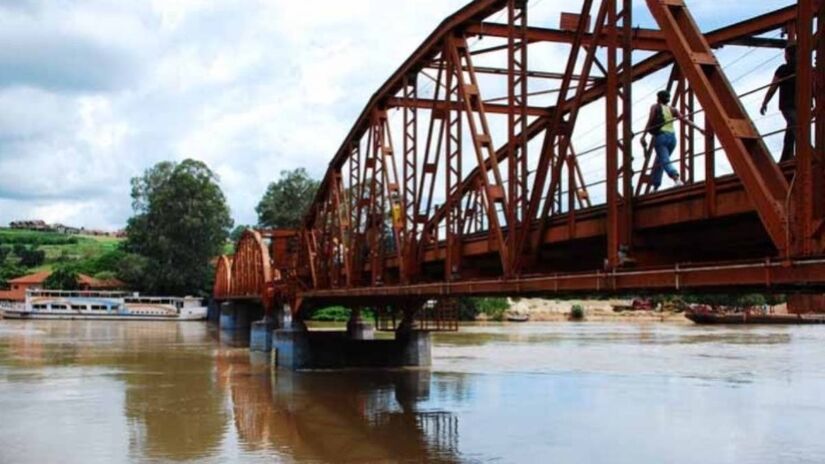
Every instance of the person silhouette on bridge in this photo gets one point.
(784, 79)
(660, 126)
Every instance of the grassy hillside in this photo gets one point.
(57, 247)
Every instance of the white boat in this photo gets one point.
(58, 304)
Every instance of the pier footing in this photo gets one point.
(236, 315)
(297, 348)
(292, 348)
(260, 337)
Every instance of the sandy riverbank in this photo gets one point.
(543, 310)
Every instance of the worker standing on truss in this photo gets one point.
(660, 126)
(785, 81)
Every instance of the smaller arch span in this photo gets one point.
(223, 278)
(251, 273)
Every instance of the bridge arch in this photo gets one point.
(223, 277)
(251, 268)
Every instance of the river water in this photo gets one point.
(109, 392)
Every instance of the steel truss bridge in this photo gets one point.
(460, 176)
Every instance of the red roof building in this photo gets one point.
(18, 286)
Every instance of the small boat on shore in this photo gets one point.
(94, 305)
(517, 317)
(704, 316)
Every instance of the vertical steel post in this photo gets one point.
(375, 216)
(394, 210)
(684, 134)
(354, 199)
(340, 208)
(409, 174)
(429, 167)
(517, 117)
(710, 170)
(571, 192)
(452, 166)
(690, 176)
(803, 187)
(612, 137)
(819, 130)
(626, 230)
(325, 242)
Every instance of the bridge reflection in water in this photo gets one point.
(181, 392)
(355, 416)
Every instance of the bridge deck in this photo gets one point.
(767, 275)
(684, 212)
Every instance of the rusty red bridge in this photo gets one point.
(503, 157)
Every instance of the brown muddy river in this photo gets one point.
(110, 392)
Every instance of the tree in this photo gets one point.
(31, 257)
(131, 269)
(181, 223)
(105, 275)
(19, 248)
(10, 271)
(63, 278)
(287, 200)
(108, 262)
(236, 233)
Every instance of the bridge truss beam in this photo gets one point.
(448, 211)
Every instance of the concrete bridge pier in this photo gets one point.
(298, 348)
(260, 337)
(213, 311)
(416, 348)
(234, 316)
(263, 331)
(292, 346)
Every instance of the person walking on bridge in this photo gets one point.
(784, 79)
(660, 126)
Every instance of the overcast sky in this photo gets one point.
(93, 92)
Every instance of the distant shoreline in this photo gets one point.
(601, 316)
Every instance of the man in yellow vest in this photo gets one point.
(660, 126)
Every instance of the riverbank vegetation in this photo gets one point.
(492, 309)
(339, 314)
(577, 312)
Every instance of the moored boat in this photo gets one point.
(517, 317)
(93, 305)
(704, 316)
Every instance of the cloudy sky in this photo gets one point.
(93, 92)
